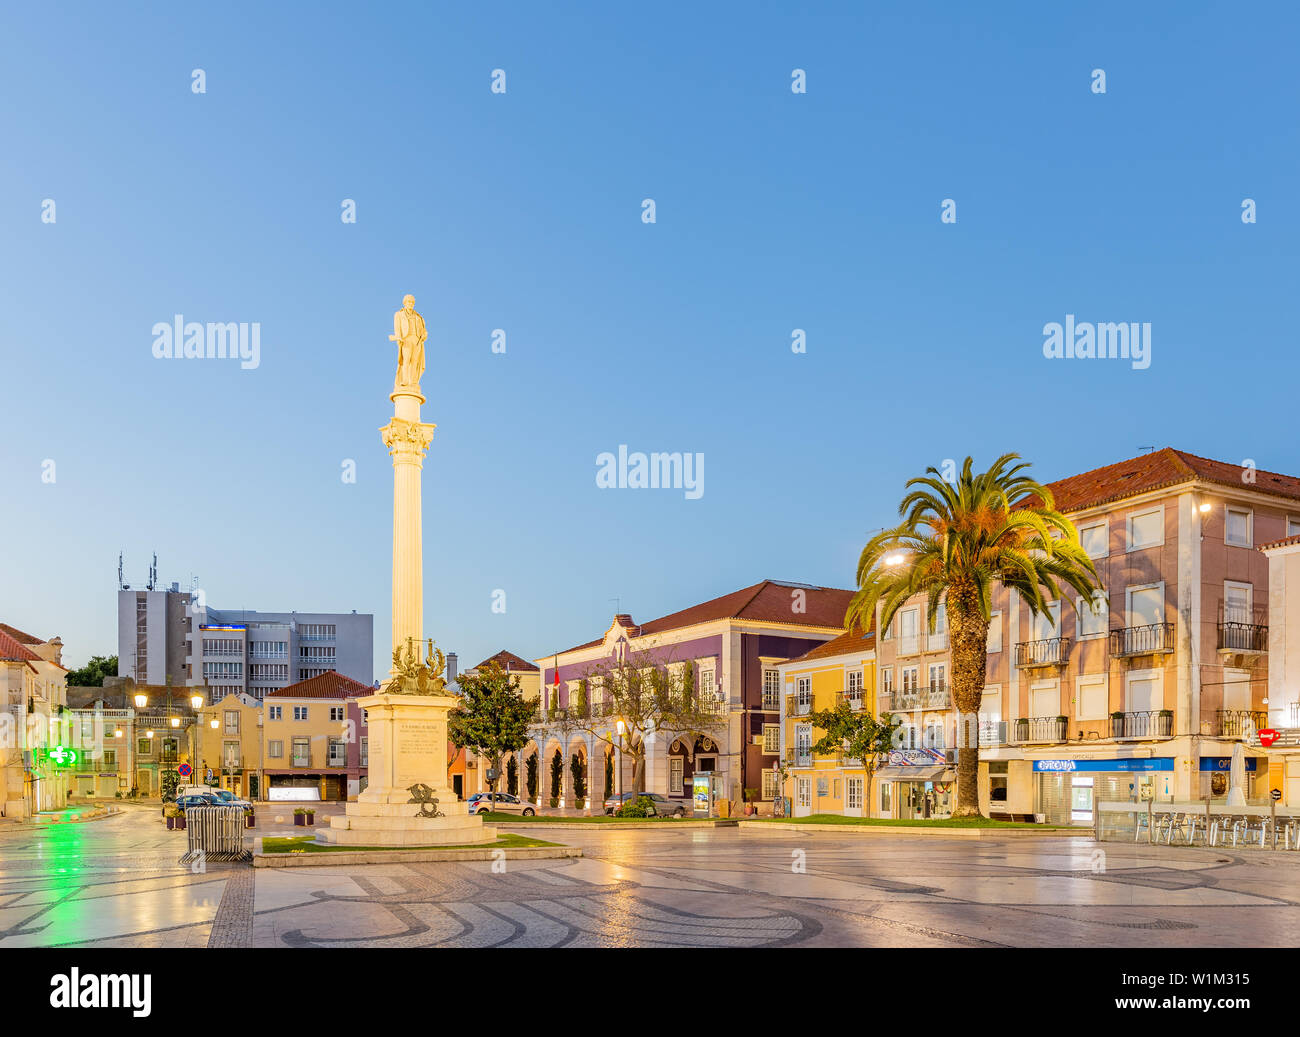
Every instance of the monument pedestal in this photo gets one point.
(407, 773)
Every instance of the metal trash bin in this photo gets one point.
(216, 833)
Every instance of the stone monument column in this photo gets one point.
(408, 800)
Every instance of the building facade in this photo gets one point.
(33, 721)
(306, 734)
(840, 671)
(1142, 693)
(732, 645)
(169, 636)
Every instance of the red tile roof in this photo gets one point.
(508, 661)
(325, 686)
(851, 642)
(1284, 542)
(770, 601)
(12, 651)
(1158, 470)
(19, 636)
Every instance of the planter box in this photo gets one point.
(311, 819)
(251, 821)
(171, 824)
(299, 820)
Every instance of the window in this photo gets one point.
(1095, 539)
(886, 788)
(365, 751)
(676, 775)
(276, 712)
(1091, 697)
(336, 712)
(887, 680)
(835, 789)
(803, 693)
(317, 632)
(771, 784)
(1146, 529)
(804, 789)
(1045, 699)
(1144, 693)
(908, 639)
(771, 688)
(1094, 616)
(803, 745)
(230, 755)
(934, 734)
(998, 782)
(938, 676)
(1238, 527)
(854, 799)
(854, 684)
(300, 712)
(771, 738)
(338, 753)
(232, 721)
(1146, 605)
(938, 640)
(301, 752)
(1292, 527)
(275, 749)
(144, 747)
(110, 759)
(1047, 623)
(911, 679)
(995, 633)
(1237, 599)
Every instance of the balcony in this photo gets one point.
(1154, 639)
(853, 699)
(1040, 729)
(909, 645)
(798, 757)
(798, 706)
(1157, 723)
(1049, 651)
(1240, 723)
(926, 696)
(1240, 632)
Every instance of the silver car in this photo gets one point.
(500, 803)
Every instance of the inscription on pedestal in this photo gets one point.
(415, 744)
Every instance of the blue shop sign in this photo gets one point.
(1144, 764)
(1224, 763)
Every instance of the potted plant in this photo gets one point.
(299, 817)
(169, 813)
(1166, 721)
(311, 815)
(180, 819)
(1117, 724)
(750, 796)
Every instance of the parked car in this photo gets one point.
(213, 798)
(500, 802)
(224, 796)
(663, 806)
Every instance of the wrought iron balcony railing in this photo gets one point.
(1243, 637)
(1240, 723)
(797, 706)
(926, 696)
(1157, 723)
(853, 699)
(1145, 640)
(1040, 729)
(1049, 651)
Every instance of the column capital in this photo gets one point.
(407, 440)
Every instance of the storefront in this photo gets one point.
(916, 784)
(1065, 791)
(1216, 778)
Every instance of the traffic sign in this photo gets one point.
(1276, 794)
(1267, 737)
(184, 770)
(209, 778)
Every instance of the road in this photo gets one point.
(115, 882)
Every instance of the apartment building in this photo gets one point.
(732, 644)
(1143, 695)
(170, 636)
(839, 671)
(33, 701)
(1282, 731)
(306, 733)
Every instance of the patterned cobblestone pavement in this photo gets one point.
(117, 882)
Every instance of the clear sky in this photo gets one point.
(523, 211)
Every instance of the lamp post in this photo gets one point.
(215, 723)
(618, 760)
(196, 703)
(141, 700)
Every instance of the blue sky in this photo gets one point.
(522, 211)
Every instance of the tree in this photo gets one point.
(530, 769)
(93, 673)
(609, 773)
(557, 775)
(578, 768)
(643, 694)
(493, 716)
(512, 776)
(858, 735)
(961, 539)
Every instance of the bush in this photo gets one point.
(555, 801)
(642, 806)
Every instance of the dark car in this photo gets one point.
(662, 805)
(210, 800)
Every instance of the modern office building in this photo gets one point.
(167, 636)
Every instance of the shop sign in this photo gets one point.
(1224, 763)
(1142, 764)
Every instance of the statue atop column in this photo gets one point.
(409, 334)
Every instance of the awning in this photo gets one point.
(915, 773)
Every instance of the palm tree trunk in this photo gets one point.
(969, 630)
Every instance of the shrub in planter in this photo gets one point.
(640, 807)
(180, 820)
(555, 801)
(311, 817)
(300, 817)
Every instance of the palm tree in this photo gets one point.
(959, 539)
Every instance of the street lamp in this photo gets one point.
(196, 701)
(215, 723)
(141, 700)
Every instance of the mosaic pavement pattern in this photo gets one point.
(117, 883)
